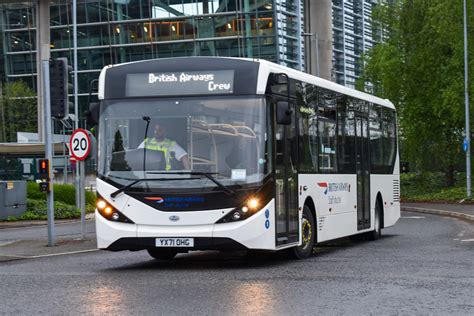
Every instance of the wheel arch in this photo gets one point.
(310, 203)
(379, 200)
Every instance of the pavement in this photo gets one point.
(461, 211)
(29, 239)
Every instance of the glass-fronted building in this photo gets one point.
(117, 31)
(353, 34)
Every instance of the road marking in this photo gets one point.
(413, 217)
(461, 234)
(8, 243)
(467, 239)
(63, 253)
(48, 255)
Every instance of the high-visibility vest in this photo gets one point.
(164, 146)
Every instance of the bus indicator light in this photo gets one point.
(108, 210)
(253, 203)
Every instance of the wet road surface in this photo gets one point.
(423, 265)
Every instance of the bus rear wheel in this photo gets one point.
(308, 236)
(161, 254)
(377, 232)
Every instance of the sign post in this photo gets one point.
(80, 146)
(48, 149)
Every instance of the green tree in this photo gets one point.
(18, 110)
(419, 67)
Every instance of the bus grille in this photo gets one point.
(396, 191)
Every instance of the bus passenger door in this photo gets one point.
(363, 175)
(286, 179)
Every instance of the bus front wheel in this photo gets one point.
(162, 254)
(308, 236)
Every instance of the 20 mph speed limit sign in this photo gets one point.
(80, 144)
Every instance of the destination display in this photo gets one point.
(180, 83)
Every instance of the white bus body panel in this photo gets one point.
(252, 233)
(335, 200)
(107, 231)
(391, 204)
(150, 222)
(334, 197)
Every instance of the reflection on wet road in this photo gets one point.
(418, 267)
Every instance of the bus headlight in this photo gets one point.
(250, 207)
(109, 212)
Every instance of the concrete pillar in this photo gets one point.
(318, 27)
(43, 53)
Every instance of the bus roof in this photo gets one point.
(265, 69)
(269, 67)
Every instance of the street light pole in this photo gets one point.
(466, 95)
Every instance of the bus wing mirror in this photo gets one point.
(283, 113)
(93, 114)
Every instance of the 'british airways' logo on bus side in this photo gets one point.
(335, 187)
(158, 200)
(323, 185)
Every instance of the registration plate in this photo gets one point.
(174, 242)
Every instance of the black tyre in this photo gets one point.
(162, 254)
(377, 232)
(308, 236)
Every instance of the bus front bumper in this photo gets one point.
(256, 232)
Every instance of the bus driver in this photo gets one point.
(169, 147)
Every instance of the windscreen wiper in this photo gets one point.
(122, 189)
(208, 175)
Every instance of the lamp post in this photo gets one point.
(466, 95)
(315, 38)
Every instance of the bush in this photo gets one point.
(36, 209)
(65, 193)
(431, 187)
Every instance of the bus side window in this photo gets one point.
(327, 142)
(306, 132)
(346, 142)
(376, 140)
(326, 111)
(389, 139)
